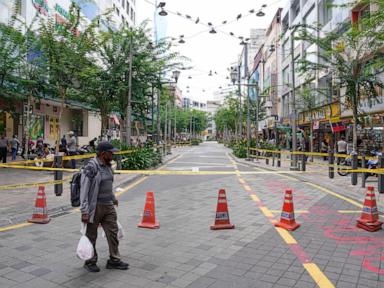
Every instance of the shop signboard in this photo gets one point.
(41, 6)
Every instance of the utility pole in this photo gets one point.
(240, 108)
(152, 112)
(257, 115)
(129, 108)
(166, 123)
(293, 99)
(158, 123)
(248, 102)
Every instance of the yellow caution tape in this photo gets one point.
(25, 185)
(38, 168)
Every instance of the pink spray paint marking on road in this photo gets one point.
(343, 230)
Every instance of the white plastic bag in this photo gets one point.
(120, 232)
(84, 249)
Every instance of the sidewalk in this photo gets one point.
(17, 204)
(319, 175)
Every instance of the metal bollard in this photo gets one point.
(266, 159)
(363, 166)
(279, 158)
(354, 167)
(380, 183)
(58, 175)
(303, 162)
(118, 162)
(331, 162)
(273, 158)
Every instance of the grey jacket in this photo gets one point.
(89, 187)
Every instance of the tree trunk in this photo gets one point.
(62, 92)
(104, 122)
(354, 111)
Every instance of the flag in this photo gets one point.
(337, 125)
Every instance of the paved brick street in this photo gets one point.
(326, 251)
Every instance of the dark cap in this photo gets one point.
(105, 146)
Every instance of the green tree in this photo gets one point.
(353, 58)
(67, 53)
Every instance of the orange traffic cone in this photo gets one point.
(369, 219)
(40, 215)
(149, 218)
(222, 215)
(287, 219)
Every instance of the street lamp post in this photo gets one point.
(293, 99)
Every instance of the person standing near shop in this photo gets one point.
(72, 148)
(15, 144)
(341, 147)
(324, 148)
(97, 202)
(3, 148)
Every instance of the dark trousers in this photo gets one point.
(107, 217)
(3, 154)
(73, 161)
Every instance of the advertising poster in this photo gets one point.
(37, 127)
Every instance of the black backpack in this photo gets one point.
(75, 185)
(75, 189)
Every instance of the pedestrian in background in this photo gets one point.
(72, 148)
(63, 144)
(97, 202)
(3, 148)
(15, 144)
(341, 148)
(324, 148)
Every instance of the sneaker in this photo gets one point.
(117, 265)
(91, 267)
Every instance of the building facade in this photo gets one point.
(44, 113)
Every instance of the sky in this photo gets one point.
(209, 52)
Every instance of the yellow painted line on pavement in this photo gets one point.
(321, 280)
(349, 211)
(17, 226)
(247, 187)
(241, 180)
(266, 211)
(134, 184)
(353, 202)
(288, 238)
(296, 211)
(255, 198)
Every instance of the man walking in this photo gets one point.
(3, 148)
(15, 144)
(97, 202)
(72, 148)
(341, 148)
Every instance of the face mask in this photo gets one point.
(107, 158)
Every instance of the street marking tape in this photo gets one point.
(134, 184)
(349, 211)
(266, 211)
(17, 226)
(321, 280)
(296, 211)
(90, 155)
(335, 194)
(255, 198)
(286, 236)
(25, 185)
(247, 187)
(75, 210)
(317, 275)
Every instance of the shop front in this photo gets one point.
(321, 120)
